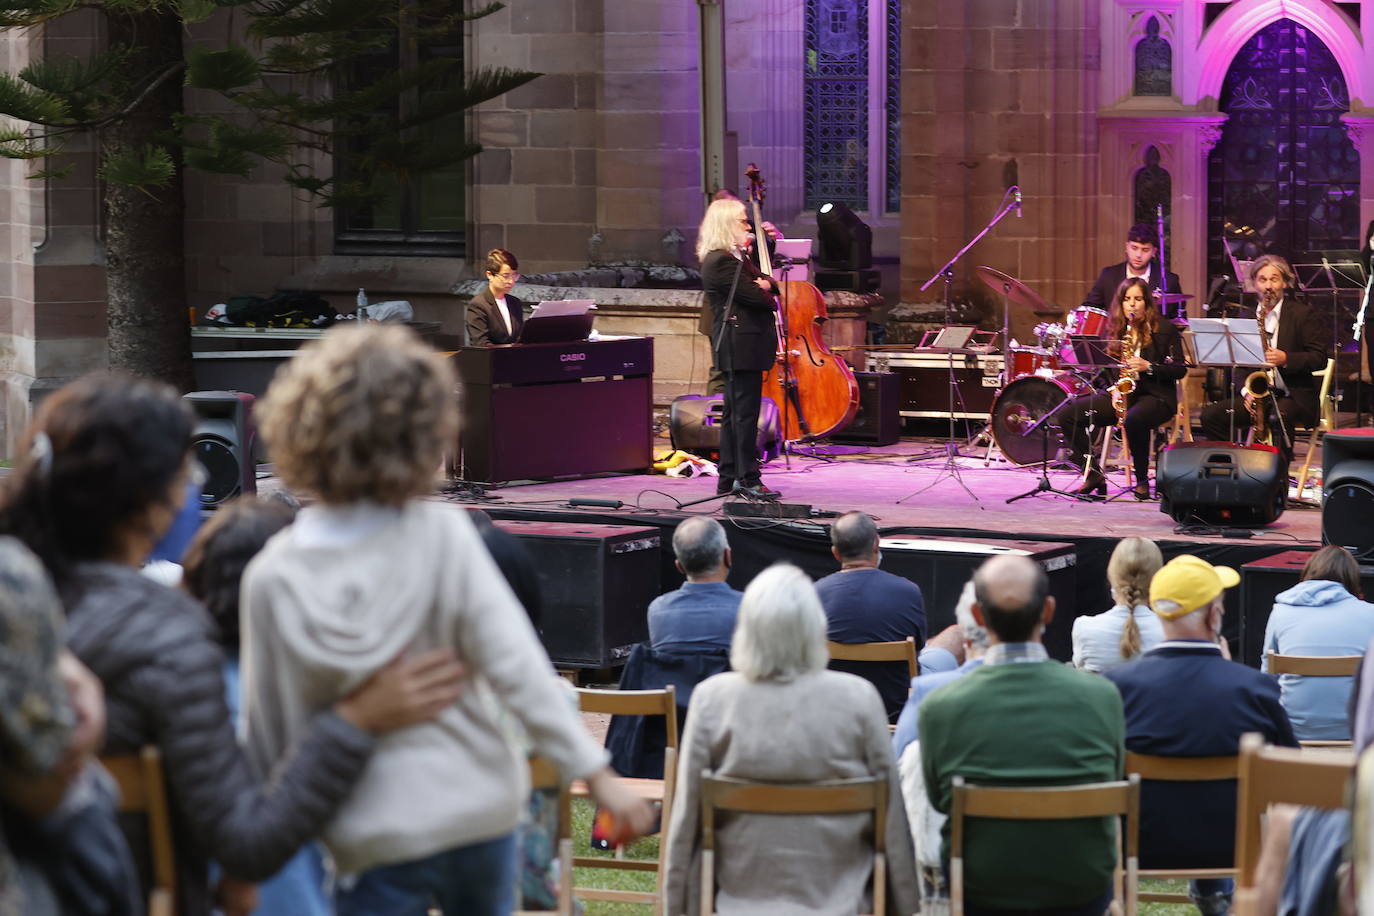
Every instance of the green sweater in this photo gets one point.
(1040, 723)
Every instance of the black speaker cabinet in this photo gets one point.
(1348, 490)
(694, 426)
(596, 582)
(1218, 483)
(941, 566)
(1260, 582)
(878, 421)
(223, 443)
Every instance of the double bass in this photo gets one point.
(814, 389)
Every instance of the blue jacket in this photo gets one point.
(636, 743)
(1182, 699)
(921, 687)
(1318, 617)
(699, 615)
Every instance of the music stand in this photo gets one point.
(559, 321)
(1229, 343)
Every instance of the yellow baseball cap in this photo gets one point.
(1190, 583)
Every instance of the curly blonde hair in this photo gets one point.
(363, 414)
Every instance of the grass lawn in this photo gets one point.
(648, 848)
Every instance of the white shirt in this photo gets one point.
(1271, 330)
(504, 311)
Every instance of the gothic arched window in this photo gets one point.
(1153, 189)
(1154, 63)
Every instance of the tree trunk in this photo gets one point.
(145, 254)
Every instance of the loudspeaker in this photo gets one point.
(222, 442)
(1348, 490)
(877, 421)
(1218, 483)
(596, 582)
(694, 426)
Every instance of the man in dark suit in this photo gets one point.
(494, 316)
(1140, 254)
(1297, 347)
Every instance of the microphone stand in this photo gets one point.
(1358, 330)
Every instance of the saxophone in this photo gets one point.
(1125, 382)
(1259, 385)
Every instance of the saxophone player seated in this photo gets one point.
(1296, 345)
(1143, 396)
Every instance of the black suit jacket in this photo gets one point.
(1167, 362)
(1303, 336)
(484, 324)
(1100, 296)
(750, 343)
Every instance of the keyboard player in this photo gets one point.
(494, 316)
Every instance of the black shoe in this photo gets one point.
(724, 485)
(1141, 491)
(758, 492)
(1094, 486)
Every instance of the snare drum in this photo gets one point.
(1088, 321)
(1032, 361)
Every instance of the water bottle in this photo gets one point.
(362, 304)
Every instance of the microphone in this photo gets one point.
(1016, 189)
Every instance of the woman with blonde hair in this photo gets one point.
(1129, 628)
(780, 716)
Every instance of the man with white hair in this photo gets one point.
(1186, 698)
(1023, 719)
(701, 614)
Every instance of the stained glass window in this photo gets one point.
(836, 103)
(1153, 189)
(1154, 62)
(1285, 177)
(894, 106)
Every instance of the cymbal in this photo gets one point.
(1015, 291)
(1172, 298)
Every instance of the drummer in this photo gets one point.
(1140, 262)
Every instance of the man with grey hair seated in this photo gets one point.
(701, 614)
(866, 604)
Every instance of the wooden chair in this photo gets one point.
(143, 791)
(901, 650)
(1325, 422)
(1181, 769)
(635, 703)
(1039, 803)
(1315, 666)
(544, 775)
(849, 796)
(1281, 775)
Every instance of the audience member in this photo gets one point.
(700, 614)
(975, 643)
(780, 717)
(212, 573)
(1323, 614)
(865, 604)
(57, 813)
(100, 478)
(1022, 719)
(1183, 698)
(1105, 640)
(360, 419)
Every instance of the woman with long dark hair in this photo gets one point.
(1151, 356)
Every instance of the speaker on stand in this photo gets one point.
(222, 442)
(1348, 490)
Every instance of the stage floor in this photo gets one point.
(970, 497)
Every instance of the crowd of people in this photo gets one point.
(343, 694)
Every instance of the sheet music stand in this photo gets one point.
(1229, 343)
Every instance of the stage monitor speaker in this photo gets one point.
(1348, 490)
(223, 442)
(694, 426)
(1217, 483)
(596, 582)
(878, 420)
(941, 566)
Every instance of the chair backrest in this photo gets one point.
(846, 796)
(900, 650)
(634, 703)
(1182, 769)
(1101, 799)
(142, 790)
(1314, 665)
(1282, 775)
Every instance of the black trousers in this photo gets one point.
(1144, 413)
(739, 426)
(1216, 418)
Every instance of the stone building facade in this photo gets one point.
(599, 160)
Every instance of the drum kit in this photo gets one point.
(1038, 379)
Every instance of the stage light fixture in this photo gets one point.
(845, 241)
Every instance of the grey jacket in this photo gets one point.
(154, 650)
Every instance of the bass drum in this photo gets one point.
(1025, 401)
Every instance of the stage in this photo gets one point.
(915, 499)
